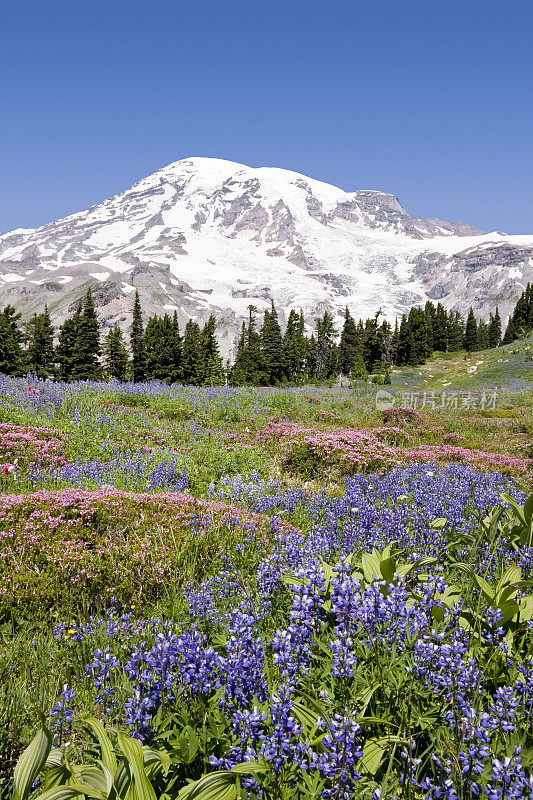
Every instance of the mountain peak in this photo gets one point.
(206, 235)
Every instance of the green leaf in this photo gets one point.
(440, 522)
(62, 793)
(213, 786)
(363, 698)
(134, 755)
(511, 575)
(305, 716)
(122, 781)
(372, 754)
(374, 750)
(370, 565)
(250, 768)
(31, 763)
(509, 610)
(155, 761)
(94, 778)
(388, 568)
(106, 748)
(526, 608)
(484, 587)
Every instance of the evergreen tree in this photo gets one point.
(430, 314)
(115, 354)
(238, 372)
(510, 332)
(272, 347)
(294, 348)
(440, 329)
(483, 336)
(311, 358)
(190, 354)
(136, 341)
(248, 369)
(177, 348)
(159, 349)
(470, 342)
(455, 331)
(349, 345)
(65, 351)
(86, 364)
(11, 356)
(326, 349)
(358, 370)
(211, 369)
(40, 356)
(495, 329)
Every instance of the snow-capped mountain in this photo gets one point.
(205, 235)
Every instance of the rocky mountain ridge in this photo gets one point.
(205, 235)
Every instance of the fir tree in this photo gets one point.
(349, 344)
(115, 354)
(40, 356)
(311, 358)
(68, 336)
(455, 331)
(272, 347)
(158, 349)
(358, 371)
(86, 364)
(326, 349)
(11, 357)
(470, 342)
(483, 336)
(495, 329)
(510, 332)
(177, 348)
(440, 329)
(211, 369)
(294, 348)
(248, 369)
(136, 341)
(190, 353)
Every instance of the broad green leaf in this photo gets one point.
(373, 751)
(55, 758)
(511, 575)
(106, 748)
(526, 609)
(94, 778)
(305, 716)
(250, 768)
(134, 754)
(388, 568)
(440, 522)
(31, 763)
(62, 793)
(155, 761)
(122, 781)
(363, 698)
(370, 565)
(509, 610)
(484, 587)
(213, 786)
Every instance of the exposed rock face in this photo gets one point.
(204, 235)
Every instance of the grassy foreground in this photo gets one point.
(281, 593)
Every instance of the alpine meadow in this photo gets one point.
(266, 400)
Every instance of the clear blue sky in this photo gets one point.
(429, 100)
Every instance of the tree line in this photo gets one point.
(265, 354)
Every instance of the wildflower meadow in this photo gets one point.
(263, 594)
